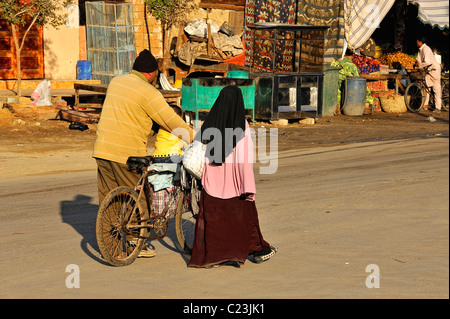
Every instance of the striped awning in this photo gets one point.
(433, 12)
(362, 18)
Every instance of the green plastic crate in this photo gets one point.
(201, 93)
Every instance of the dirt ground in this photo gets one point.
(326, 236)
(36, 130)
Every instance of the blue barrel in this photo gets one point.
(354, 96)
(84, 70)
(237, 74)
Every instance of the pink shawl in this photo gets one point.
(234, 177)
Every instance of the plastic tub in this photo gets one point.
(237, 74)
(84, 70)
(355, 96)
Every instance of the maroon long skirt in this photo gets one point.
(226, 230)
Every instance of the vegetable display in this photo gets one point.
(398, 57)
(348, 68)
(365, 64)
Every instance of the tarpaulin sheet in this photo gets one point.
(433, 12)
(362, 18)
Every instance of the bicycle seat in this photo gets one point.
(136, 163)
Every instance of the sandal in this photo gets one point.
(264, 254)
(231, 263)
(147, 252)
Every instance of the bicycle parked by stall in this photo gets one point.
(416, 92)
(126, 218)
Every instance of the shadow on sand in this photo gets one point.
(81, 214)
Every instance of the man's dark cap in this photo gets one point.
(145, 62)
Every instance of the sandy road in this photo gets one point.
(332, 211)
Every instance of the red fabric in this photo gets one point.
(226, 230)
(238, 59)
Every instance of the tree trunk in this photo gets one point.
(166, 51)
(19, 67)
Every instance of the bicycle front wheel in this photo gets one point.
(415, 97)
(121, 228)
(185, 221)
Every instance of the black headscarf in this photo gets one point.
(227, 112)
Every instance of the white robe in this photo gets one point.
(426, 57)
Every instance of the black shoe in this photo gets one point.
(78, 126)
(231, 263)
(264, 254)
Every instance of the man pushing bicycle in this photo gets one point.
(132, 106)
(426, 58)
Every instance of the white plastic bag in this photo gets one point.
(194, 159)
(165, 83)
(199, 28)
(42, 96)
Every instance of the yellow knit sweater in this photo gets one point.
(131, 105)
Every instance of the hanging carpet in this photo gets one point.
(279, 11)
(308, 12)
(329, 13)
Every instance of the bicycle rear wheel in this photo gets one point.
(415, 97)
(445, 96)
(120, 228)
(185, 221)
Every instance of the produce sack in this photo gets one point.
(393, 103)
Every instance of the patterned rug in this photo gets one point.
(280, 11)
(311, 12)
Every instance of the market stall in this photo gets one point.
(387, 73)
(287, 64)
(282, 84)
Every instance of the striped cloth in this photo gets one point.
(330, 13)
(164, 197)
(433, 12)
(362, 18)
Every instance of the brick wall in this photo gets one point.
(141, 36)
(154, 27)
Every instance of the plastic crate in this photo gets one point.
(200, 94)
(369, 69)
(377, 85)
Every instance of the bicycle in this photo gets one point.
(126, 217)
(416, 92)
